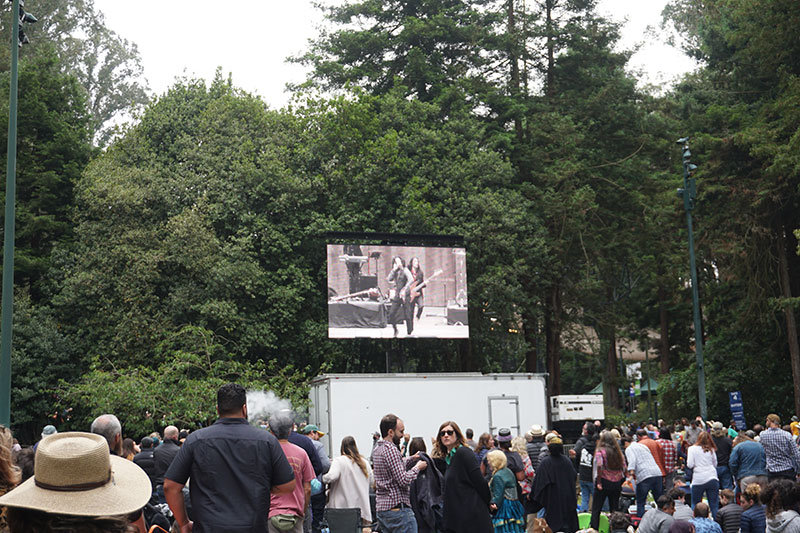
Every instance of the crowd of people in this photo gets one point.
(277, 477)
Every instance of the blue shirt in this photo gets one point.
(233, 467)
(705, 525)
(748, 459)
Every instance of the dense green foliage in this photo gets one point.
(191, 251)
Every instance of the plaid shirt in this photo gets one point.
(392, 480)
(670, 451)
(782, 453)
(641, 461)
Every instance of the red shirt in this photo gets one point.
(670, 451)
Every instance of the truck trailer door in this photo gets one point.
(504, 413)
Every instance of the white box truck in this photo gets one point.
(569, 412)
(353, 404)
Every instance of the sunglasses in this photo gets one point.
(447, 432)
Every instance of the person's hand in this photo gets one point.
(422, 465)
(187, 527)
(572, 453)
(493, 507)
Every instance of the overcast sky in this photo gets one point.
(252, 38)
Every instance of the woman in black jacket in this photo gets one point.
(466, 493)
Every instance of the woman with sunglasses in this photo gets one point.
(466, 493)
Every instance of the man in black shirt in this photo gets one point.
(145, 460)
(233, 466)
(163, 456)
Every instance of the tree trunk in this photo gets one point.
(529, 330)
(551, 46)
(663, 344)
(612, 381)
(553, 337)
(513, 57)
(788, 311)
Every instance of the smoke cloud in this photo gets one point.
(262, 404)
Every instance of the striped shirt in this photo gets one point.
(782, 453)
(392, 480)
(641, 461)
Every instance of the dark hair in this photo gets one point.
(388, 422)
(230, 398)
(439, 449)
(665, 502)
(417, 444)
(556, 449)
(469, 433)
(127, 447)
(410, 263)
(664, 433)
(30, 521)
(701, 510)
(780, 495)
(147, 442)
(483, 442)
(625, 439)
(402, 262)
(676, 494)
(728, 493)
(642, 433)
(613, 453)
(25, 461)
(618, 521)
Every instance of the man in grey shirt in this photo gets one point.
(682, 511)
(658, 520)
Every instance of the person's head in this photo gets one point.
(147, 443)
(773, 421)
(701, 510)
(641, 434)
(280, 424)
(313, 432)
(681, 526)
(128, 447)
(555, 446)
(469, 434)
(504, 438)
(694, 423)
(664, 433)
(76, 480)
(108, 426)
(25, 462)
(718, 430)
(750, 495)
(497, 460)
(231, 401)
(780, 495)
(48, 430)
(519, 445)
(677, 495)
(171, 433)
(666, 504)
(392, 428)
(448, 437)
(705, 441)
(536, 432)
(417, 445)
(626, 441)
(350, 450)
(398, 262)
(726, 496)
(414, 264)
(618, 521)
(485, 442)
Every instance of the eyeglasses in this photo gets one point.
(447, 432)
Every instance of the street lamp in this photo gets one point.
(18, 38)
(689, 193)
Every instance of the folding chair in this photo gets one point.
(343, 520)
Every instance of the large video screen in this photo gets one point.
(382, 291)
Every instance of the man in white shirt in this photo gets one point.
(643, 468)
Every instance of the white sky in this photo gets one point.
(251, 39)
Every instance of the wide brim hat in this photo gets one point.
(536, 431)
(74, 474)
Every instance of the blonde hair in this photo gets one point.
(496, 459)
(9, 472)
(519, 445)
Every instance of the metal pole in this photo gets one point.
(689, 193)
(8, 233)
(649, 391)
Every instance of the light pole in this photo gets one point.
(689, 193)
(18, 38)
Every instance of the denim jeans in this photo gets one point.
(712, 493)
(587, 489)
(400, 521)
(725, 478)
(643, 486)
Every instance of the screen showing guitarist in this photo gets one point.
(415, 291)
(400, 309)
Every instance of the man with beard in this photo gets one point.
(392, 480)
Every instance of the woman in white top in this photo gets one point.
(702, 459)
(349, 480)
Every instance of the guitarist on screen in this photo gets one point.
(401, 308)
(416, 287)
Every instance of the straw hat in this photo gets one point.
(536, 431)
(74, 474)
